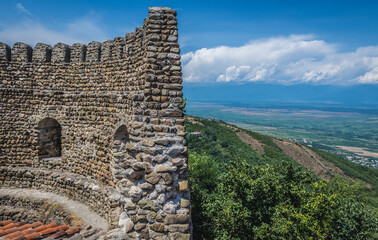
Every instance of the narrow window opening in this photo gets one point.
(49, 138)
(121, 137)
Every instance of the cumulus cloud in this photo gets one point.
(285, 60)
(30, 30)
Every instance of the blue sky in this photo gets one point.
(275, 42)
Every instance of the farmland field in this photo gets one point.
(349, 132)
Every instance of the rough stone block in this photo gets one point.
(60, 53)
(21, 52)
(42, 52)
(5, 52)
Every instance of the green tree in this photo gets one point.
(281, 201)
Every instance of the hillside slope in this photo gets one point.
(226, 141)
(245, 185)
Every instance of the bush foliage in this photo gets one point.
(239, 194)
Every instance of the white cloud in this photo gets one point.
(286, 60)
(31, 31)
(22, 9)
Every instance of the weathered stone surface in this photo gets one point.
(179, 228)
(152, 178)
(125, 222)
(167, 178)
(170, 208)
(179, 236)
(178, 161)
(102, 124)
(184, 186)
(176, 219)
(135, 192)
(147, 205)
(159, 227)
(165, 168)
(184, 203)
(139, 226)
(148, 142)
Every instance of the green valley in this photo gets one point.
(245, 185)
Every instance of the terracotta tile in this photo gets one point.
(34, 231)
(24, 227)
(58, 234)
(63, 227)
(40, 228)
(6, 222)
(72, 230)
(22, 223)
(29, 231)
(13, 235)
(51, 225)
(8, 231)
(18, 238)
(36, 224)
(10, 225)
(48, 231)
(33, 236)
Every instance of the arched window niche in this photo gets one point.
(121, 137)
(49, 138)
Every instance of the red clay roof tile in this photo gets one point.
(72, 230)
(58, 234)
(13, 235)
(24, 227)
(36, 224)
(18, 238)
(51, 225)
(29, 231)
(10, 225)
(5, 222)
(63, 227)
(48, 231)
(25, 231)
(22, 223)
(40, 228)
(10, 230)
(33, 236)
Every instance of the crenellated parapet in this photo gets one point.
(117, 49)
(110, 114)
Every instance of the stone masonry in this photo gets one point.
(101, 124)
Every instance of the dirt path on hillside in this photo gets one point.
(305, 158)
(310, 160)
(248, 139)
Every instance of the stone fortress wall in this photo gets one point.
(102, 124)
